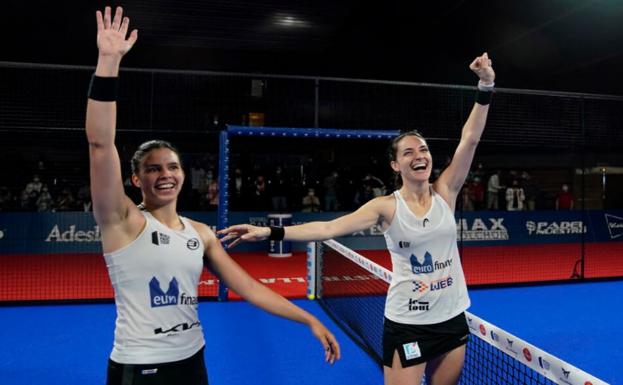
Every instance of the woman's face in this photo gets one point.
(160, 176)
(413, 159)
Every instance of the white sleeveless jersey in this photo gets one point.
(156, 279)
(428, 285)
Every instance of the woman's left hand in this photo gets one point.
(328, 341)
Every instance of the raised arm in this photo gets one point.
(377, 210)
(451, 180)
(110, 204)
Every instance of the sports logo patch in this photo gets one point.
(412, 350)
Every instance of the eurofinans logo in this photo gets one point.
(171, 297)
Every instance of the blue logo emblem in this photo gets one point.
(159, 297)
(425, 267)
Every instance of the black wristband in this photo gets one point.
(276, 233)
(103, 89)
(483, 97)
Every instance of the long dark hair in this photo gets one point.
(393, 149)
(145, 148)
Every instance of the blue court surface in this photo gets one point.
(69, 344)
(579, 323)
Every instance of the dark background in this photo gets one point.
(563, 45)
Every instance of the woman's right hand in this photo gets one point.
(241, 233)
(111, 35)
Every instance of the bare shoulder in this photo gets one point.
(205, 232)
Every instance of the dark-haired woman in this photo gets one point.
(425, 330)
(154, 256)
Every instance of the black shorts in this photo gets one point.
(191, 371)
(416, 344)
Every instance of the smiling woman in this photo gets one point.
(155, 256)
(423, 333)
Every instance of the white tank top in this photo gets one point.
(428, 285)
(155, 279)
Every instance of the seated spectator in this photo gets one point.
(311, 203)
(65, 201)
(45, 201)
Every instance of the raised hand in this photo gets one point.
(111, 34)
(482, 66)
(241, 233)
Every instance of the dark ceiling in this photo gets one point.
(563, 45)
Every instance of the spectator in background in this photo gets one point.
(65, 201)
(467, 201)
(212, 195)
(564, 199)
(330, 192)
(6, 199)
(515, 197)
(531, 190)
(310, 203)
(478, 193)
(260, 194)
(84, 198)
(34, 186)
(45, 202)
(239, 190)
(493, 190)
(278, 190)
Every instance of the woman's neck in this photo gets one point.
(417, 192)
(167, 215)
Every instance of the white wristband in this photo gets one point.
(487, 87)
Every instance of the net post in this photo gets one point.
(223, 199)
(311, 270)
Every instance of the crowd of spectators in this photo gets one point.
(289, 188)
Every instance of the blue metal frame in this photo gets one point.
(268, 132)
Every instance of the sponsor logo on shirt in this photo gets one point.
(440, 284)
(171, 297)
(427, 266)
(193, 244)
(415, 305)
(181, 327)
(158, 238)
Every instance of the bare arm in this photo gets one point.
(261, 296)
(451, 180)
(366, 216)
(110, 204)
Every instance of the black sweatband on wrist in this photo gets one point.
(276, 233)
(483, 97)
(103, 89)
